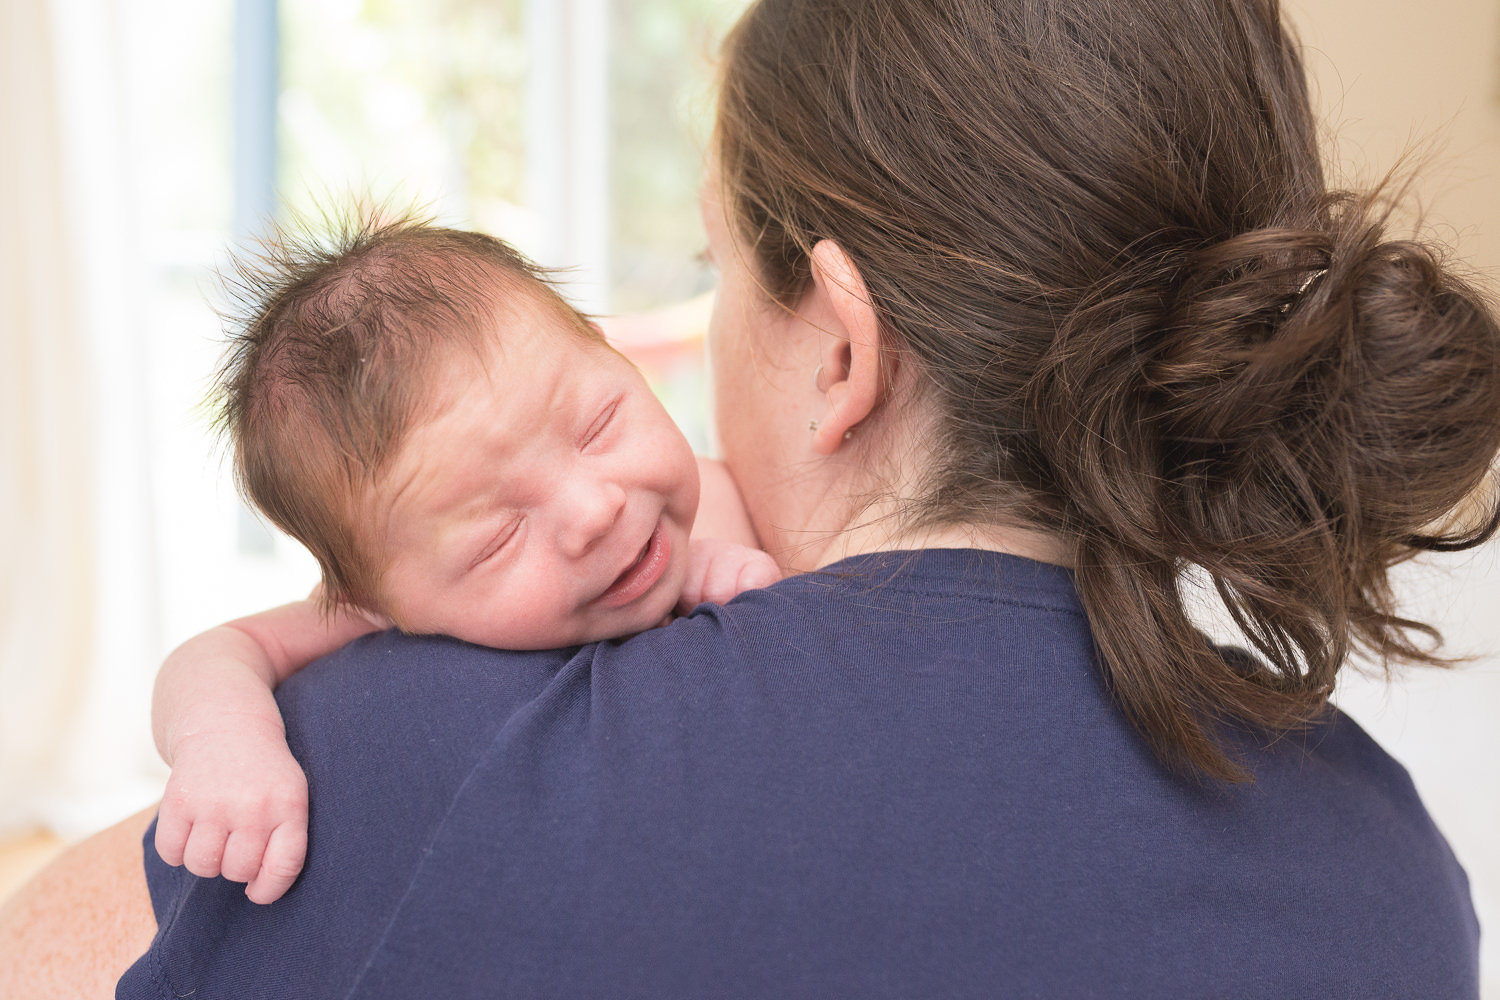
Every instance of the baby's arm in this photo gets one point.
(724, 556)
(236, 803)
(721, 510)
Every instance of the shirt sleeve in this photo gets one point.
(386, 729)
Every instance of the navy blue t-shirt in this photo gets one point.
(899, 778)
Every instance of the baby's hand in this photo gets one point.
(236, 805)
(717, 570)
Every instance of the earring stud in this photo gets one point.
(812, 425)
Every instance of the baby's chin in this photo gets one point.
(649, 616)
(627, 622)
(652, 609)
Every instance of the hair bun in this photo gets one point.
(1294, 409)
(1360, 375)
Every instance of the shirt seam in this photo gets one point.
(976, 598)
(480, 761)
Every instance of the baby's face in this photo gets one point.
(546, 503)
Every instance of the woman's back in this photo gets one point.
(901, 777)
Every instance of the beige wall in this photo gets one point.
(1391, 74)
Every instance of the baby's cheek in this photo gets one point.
(531, 617)
(546, 623)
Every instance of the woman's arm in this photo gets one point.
(75, 928)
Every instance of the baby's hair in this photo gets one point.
(1102, 232)
(333, 332)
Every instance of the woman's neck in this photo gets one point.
(867, 536)
(853, 504)
(840, 528)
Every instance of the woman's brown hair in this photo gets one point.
(1103, 231)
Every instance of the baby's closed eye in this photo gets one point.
(497, 543)
(600, 423)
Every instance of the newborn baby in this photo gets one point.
(464, 455)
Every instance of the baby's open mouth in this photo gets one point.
(631, 568)
(640, 575)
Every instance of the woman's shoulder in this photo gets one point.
(939, 594)
(433, 679)
(829, 637)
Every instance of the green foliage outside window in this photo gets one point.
(662, 75)
(424, 101)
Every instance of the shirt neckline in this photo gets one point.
(958, 572)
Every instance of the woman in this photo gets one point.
(1025, 310)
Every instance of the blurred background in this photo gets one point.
(144, 139)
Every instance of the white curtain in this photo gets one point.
(46, 420)
(76, 577)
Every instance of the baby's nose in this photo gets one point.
(592, 512)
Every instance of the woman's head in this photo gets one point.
(1100, 236)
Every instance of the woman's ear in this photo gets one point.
(849, 376)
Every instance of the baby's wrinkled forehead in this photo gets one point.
(510, 391)
(523, 334)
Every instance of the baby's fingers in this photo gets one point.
(171, 835)
(694, 584)
(759, 570)
(281, 864)
(737, 570)
(204, 854)
(719, 581)
(242, 854)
